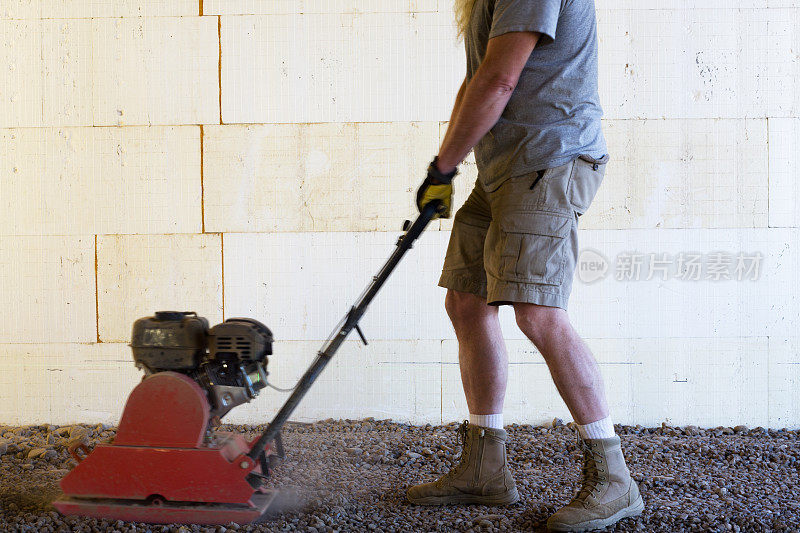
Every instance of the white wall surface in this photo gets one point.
(257, 158)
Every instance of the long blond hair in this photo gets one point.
(463, 9)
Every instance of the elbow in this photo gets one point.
(504, 88)
(498, 84)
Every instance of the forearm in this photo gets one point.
(477, 110)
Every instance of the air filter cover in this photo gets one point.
(170, 340)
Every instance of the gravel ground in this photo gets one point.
(352, 476)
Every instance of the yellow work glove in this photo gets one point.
(437, 186)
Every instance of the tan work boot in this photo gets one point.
(481, 477)
(608, 493)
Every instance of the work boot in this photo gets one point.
(482, 475)
(608, 493)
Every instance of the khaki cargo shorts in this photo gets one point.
(519, 243)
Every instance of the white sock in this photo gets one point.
(601, 429)
(487, 421)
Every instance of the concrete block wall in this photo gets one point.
(257, 157)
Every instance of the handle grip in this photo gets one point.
(431, 208)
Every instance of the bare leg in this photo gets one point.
(607, 493)
(482, 475)
(482, 355)
(573, 367)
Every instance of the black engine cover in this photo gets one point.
(242, 339)
(171, 340)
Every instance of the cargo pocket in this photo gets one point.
(534, 248)
(587, 174)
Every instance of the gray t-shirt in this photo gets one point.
(553, 115)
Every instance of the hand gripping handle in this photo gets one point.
(428, 211)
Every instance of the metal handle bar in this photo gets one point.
(348, 324)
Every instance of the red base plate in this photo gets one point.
(167, 513)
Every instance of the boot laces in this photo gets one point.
(461, 434)
(591, 478)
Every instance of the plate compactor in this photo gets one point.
(168, 463)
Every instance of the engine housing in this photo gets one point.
(229, 360)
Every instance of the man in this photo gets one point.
(530, 108)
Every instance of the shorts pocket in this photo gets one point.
(587, 174)
(534, 248)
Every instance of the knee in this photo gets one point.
(538, 322)
(463, 307)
